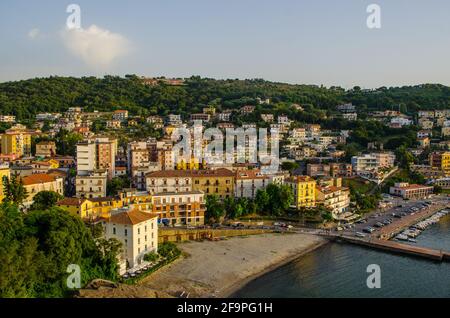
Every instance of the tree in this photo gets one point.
(289, 166)
(116, 184)
(280, 198)
(215, 209)
(262, 200)
(66, 142)
(404, 157)
(13, 190)
(45, 199)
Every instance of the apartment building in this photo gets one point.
(335, 199)
(46, 149)
(248, 182)
(7, 119)
(224, 116)
(341, 170)
(136, 230)
(120, 115)
(77, 206)
(268, 118)
(201, 117)
(91, 184)
(113, 124)
(410, 191)
(16, 141)
(156, 121)
(317, 170)
(304, 189)
(219, 181)
(441, 160)
(372, 161)
(97, 154)
(180, 208)
(36, 183)
(174, 120)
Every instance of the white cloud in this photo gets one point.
(34, 33)
(97, 47)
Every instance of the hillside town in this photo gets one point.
(121, 170)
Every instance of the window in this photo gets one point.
(126, 232)
(114, 230)
(139, 231)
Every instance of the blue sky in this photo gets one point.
(297, 41)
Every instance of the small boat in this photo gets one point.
(412, 240)
(401, 237)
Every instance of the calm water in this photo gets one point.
(339, 270)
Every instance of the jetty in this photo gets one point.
(395, 247)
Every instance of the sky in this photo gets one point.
(322, 42)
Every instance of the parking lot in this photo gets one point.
(371, 223)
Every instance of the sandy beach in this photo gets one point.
(217, 269)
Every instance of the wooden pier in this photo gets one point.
(399, 248)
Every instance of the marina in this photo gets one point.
(339, 270)
(414, 231)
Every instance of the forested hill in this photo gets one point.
(55, 94)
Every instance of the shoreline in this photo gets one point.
(220, 268)
(229, 291)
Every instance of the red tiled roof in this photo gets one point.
(37, 178)
(250, 174)
(71, 201)
(131, 217)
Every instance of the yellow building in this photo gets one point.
(94, 208)
(17, 143)
(445, 163)
(140, 200)
(4, 172)
(77, 206)
(36, 183)
(219, 182)
(194, 164)
(101, 207)
(304, 189)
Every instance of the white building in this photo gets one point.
(174, 119)
(7, 119)
(120, 115)
(224, 116)
(136, 230)
(86, 153)
(248, 182)
(268, 118)
(91, 184)
(350, 116)
(401, 121)
(365, 162)
(284, 120)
